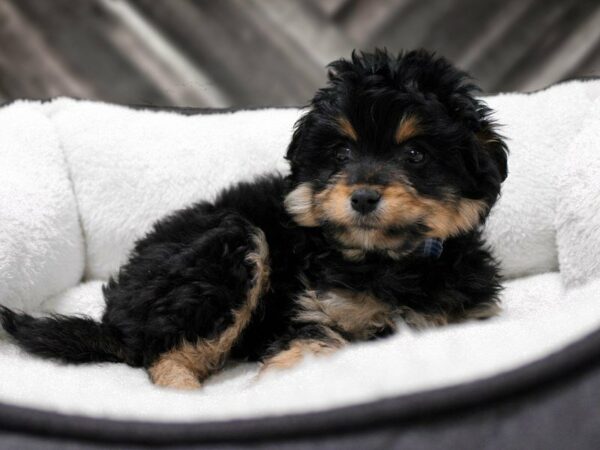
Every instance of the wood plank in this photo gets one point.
(251, 59)
(472, 25)
(406, 28)
(589, 67)
(258, 52)
(506, 54)
(175, 75)
(329, 8)
(78, 31)
(282, 66)
(29, 67)
(318, 37)
(364, 20)
(566, 45)
(493, 33)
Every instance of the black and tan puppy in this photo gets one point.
(394, 169)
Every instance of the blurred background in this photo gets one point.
(240, 53)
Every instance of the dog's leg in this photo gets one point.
(176, 369)
(471, 288)
(309, 340)
(482, 311)
(427, 320)
(296, 352)
(189, 364)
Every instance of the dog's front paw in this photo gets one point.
(174, 376)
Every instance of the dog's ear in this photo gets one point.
(336, 70)
(494, 147)
(297, 138)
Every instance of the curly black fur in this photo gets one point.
(185, 279)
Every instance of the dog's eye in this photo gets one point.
(343, 154)
(414, 156)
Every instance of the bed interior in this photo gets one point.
(83, 180)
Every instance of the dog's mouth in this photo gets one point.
(370, 221)
(369, 235)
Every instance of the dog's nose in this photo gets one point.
(365, 200)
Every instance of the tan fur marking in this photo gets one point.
(482, 312)
(333, 202)
(447, 220)
(296, 352)
(175, 369)
(354, 254)
(400, 205)
(299, 204)
(358, 314)
(347, 129)
(178, 367)
(407, 128)
(422, 321)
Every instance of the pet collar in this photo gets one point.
(432, 247)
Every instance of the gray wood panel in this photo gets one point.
(273, 52)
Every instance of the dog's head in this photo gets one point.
(395, 150)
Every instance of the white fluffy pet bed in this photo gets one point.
(80, 181)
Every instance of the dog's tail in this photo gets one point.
(69, 339)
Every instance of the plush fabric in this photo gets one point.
(578, 204)
(540, 128)
(83, 180)
(41, 246)
(538, 318)
(130, 167)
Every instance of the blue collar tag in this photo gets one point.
(432, 248)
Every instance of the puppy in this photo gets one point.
(394, 168)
